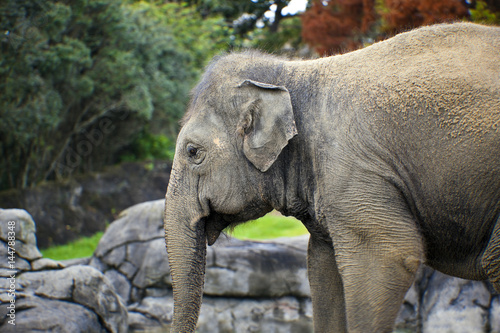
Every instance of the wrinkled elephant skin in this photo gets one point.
(389, 155)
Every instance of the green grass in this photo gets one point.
(80, 248)
(270, 226)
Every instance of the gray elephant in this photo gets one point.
(389, 155)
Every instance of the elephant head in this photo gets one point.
(225, 163)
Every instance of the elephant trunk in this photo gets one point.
(186, 246)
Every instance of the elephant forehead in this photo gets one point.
(206, 127)
(209, 119)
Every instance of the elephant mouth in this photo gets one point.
(214, 225)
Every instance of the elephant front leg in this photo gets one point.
(326, 287)
(377, 270)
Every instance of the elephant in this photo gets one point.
(389, 155)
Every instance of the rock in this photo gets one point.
(132, 254)
(24, 226)
(409, 317)
(76, 261)
(455, 305)
(495, 315)
(285, 314)
(120, 283)
(45, 263)
(136, 250)
(95, 292)
(139, 223)
(49, 284)
(160, 309)
(18, 224)
(36, 314)
(249, 287)
(154, 269)
(139, 322)
(133, 249)
(87, 294)
(257, 269)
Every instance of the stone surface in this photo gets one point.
(495, 315)
(139, 223)
(250, 287)
(455, 305)
(36, 314)
(284, 314)
(19, 224)
(132, 251)
(46, 295)
(76, 285)
(257, 269)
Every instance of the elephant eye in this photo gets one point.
(196, 154)
(192, 151)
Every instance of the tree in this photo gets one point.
(340, 25)
(487, 12)
(336, 25)
(80, 79)
(406, 14)
(242, 15)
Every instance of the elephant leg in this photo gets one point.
(326, 287)
(378, 260)
(491, 257)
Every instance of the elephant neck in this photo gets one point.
(292, 192)
(298, 195)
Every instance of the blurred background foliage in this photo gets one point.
(89, 83)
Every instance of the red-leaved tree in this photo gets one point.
(333, 26)
(407, 14)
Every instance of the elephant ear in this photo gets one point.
(267, 123)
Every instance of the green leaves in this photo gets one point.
(481, 14)
(68, 68)
(148, 146)
(121, 71)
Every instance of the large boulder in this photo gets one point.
(437, 302)
(37, 314)
(91, 301)
(132, 251)
(257, 269)
(38, 294)
(17, 230)
(458, 306)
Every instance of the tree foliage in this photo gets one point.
(287, 37)
(487, 12)
(332, 26)
(242, 15)
(80, 79)
(414, 13)
(86, 83)
(337, 24)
